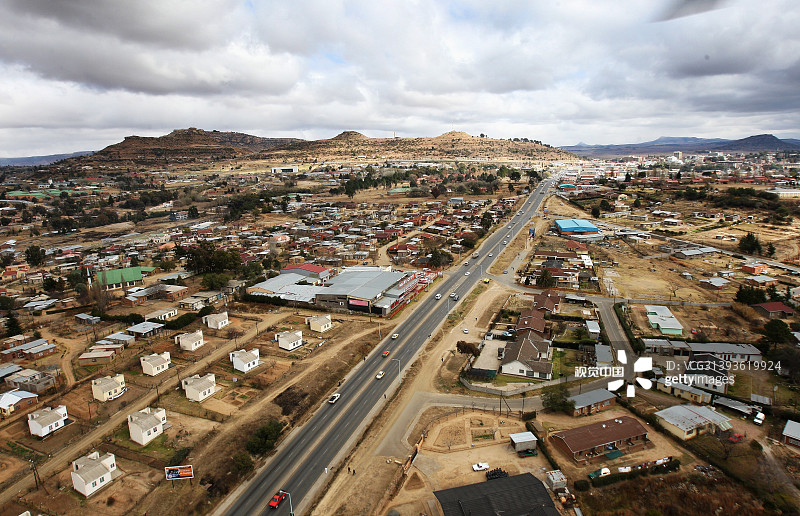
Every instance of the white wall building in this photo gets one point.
(199, 388)
(319, 323)
(109, 387)
(289, 340)
(190, 341)
(92, 472)
(45, 421)
(216, 321)
(146, 425)
(244, 361)
(155, 364)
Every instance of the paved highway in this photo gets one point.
(311, 451)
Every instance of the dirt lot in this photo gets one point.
(718, 324)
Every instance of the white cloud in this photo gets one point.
(87, 73)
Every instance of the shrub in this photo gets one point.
(264, 438)
(179, 456)
(581, 485)
(242, 463)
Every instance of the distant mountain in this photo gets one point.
(668, 144)
(758, 143)
(352, 145)
(33, 161)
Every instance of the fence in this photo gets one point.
(511, 392)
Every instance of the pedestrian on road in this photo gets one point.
(384, 396)
(326, 471)
(348, 470)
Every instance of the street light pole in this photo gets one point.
(291, 508)
(398, 366)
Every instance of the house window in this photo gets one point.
(113, 465)
(148, 432)
(94, 484)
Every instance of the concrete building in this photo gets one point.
(684, 391)
(244, 361)
(289, 340)
(92, 472)
(216, 321)
(109, 388)
(593, 401)
(791, 434)
(155, 364)
(190, 341)
(319, 323)
(146, 425)
(47, 420)
(662, 318)
(688, 421)
(162, 315)
(199, 388)
(15, 400)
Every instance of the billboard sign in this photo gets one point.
(179, 472)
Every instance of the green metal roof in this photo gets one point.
(122, 275)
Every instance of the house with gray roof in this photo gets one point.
(146, 425)
(592, 402)
(528, 356)
(47, 420)
(791, 434)
(688, 421)
(199, 388)
(92, 472)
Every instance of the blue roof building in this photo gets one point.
(575, 226)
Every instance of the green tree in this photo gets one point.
(750, 244)
(750, 295)
(515, 175)
(546, 280)
(777, 332)
(264, 438)
(166, 265)
(595, 211)
(214, 281)
(242, 463)
(12, 325)
(555, 398)
(35, 255)
(193, 213)
(605, 205)
(637, 203)
(771, 249)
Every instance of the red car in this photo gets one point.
(277, 499)
(735, 438)
(386, 353)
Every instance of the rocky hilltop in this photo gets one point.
(352, 145)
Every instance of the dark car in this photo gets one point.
(277, 499)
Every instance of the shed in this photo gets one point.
(522, 441)
(555, 480)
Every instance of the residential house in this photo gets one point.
(592, 402)
(155, 364)
(319, 323)
(162, 315)
(528, 356)
(531, 320)
(190, 341)
(791, 434)
(145, 330)
(774, 310)
(596, 441)
(707, 371)
(688, 421)
(96, 357)
(684, 391)
(15, 400)
(289, 340)
(661, 317)
(109, 388)
(761, 281)
(216, 321)
(47, 420)
(146, 425)
(92, 472)
(199, 388)
(244, 361)
(755, 268)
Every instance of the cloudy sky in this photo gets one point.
(83, 74)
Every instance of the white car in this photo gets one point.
(490, 255)
(334, 397)
(466, 330)
(438, 296)
(379, 375)
(396, 335)
(504, 242)
(481, 466)
(466, 273)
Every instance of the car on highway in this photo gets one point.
(438, 296)
(466, 273)
(385, 353)
(490, 255)
(466, 263)
(379, 375)
(505, 271)
(486, 280)
(481, 466)
(504, 242)
(334, 398)
(396, 335)
(277, 499)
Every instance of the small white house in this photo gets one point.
(198, 388)
(146, 425)
(155, 364)
(162, 315)
(289, 340)
(216, 321)
(244, 361)
(190, 341)
(319, 323)
(45, 421)
(92, 472)
(108, 388)
(593, 329)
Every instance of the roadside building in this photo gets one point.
(146, 424)
(162, 315)
(681, 390)
(47, 420)
(145, 330)
(774, 310)
(15, 400)
(688, 421)
(289, 340)
(96, 357)
(602, 440)
(92, 472)
(216, 321)
(661, 317)
(190, 341)
(593, 401)
(319, 323)
(528, 356)
(155, 364)
(109, 388)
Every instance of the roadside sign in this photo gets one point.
(179, 472)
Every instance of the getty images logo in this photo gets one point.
(641, 365)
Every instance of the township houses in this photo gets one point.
(319, 323)
(96, 357)
(28, 350)
(755, 268)
(681, 390)
(161, 315)
(592, 402)
(531, 320)
(688, 421)
(109, 388)
(244, 361)
(289, 340)
(31, 380)
(707, 371)
(47, 420)
(15, 400)
(92, 472)
(199, 388)
(791, 434)
(146, 425)
(145, 330)
(774, 310)
(190, 341)
(602, 440)
(724, 350)
(216, 321)
(761, 281)
(155, 364)
(548, 301)
(528, 356)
